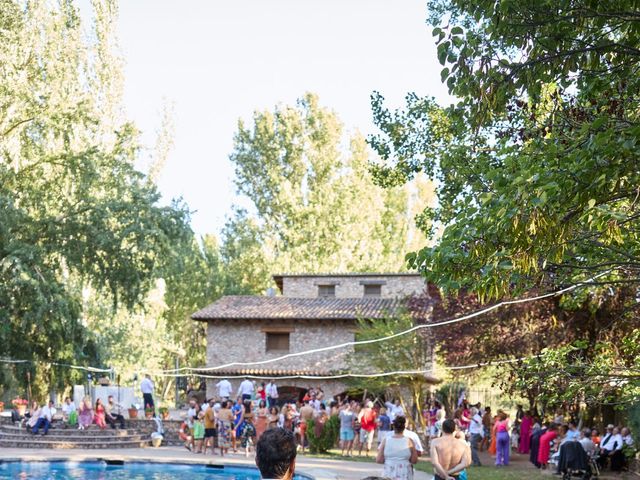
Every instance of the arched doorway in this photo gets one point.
(287, 394)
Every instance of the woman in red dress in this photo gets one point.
(545, 445)
(525, 433)
(99, 417)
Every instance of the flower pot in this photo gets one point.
(165, 415)
(1, 406)
(133, 413)
(148, 414)
(22, 409)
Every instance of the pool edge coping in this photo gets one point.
(107, 459)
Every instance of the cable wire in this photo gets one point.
(395, 335)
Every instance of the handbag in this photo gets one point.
(73, 418)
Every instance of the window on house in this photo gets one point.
(277, 342)
(326, 290)
(372, 290)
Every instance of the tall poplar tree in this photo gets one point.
(314, 201)
(73, 204)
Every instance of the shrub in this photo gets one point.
(327, 438)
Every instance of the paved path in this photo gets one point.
(320, 468)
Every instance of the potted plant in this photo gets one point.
(133, 411)
(20, 404)
(1, 407)
(164, 413)
(156, 439)
(149, 411)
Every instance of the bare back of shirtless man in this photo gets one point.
(449, 455)
(306, 414)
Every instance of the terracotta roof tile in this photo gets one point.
(237, 307)
(270, 372)
(278, 372)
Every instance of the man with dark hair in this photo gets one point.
(112, 413)
(449, 455)
(276, 454)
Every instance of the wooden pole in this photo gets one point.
(29, 387)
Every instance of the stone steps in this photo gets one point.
(73, 432)
(38, 442)
(52, 435)
(60, 438)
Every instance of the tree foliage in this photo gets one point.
(536, 167)
(409, 352)
(73, 204)
(563, 342)
(537, 164)
(315, 205)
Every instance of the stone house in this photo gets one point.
(312, 311)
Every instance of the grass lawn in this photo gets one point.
(513, 472)
(519, 469)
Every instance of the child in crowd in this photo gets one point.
(185, 435)
(384, 425)
(515, 437)
(198, 433)
(247, 434)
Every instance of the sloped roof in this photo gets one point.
(235, 307)
(346, 274)
(264, 373)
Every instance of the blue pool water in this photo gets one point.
(129, 471)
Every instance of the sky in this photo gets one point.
(216, 61)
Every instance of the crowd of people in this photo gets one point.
(230, 422)
(39, 419)
(224, 424)
(528, 434)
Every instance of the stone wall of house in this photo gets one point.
(392, 286)
(245, 341)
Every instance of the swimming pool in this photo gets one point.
(124, 471)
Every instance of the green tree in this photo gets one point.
(73, 204)
(242, 252)
(409, 352)
(315, 204)
(536, 167)
(537, 162)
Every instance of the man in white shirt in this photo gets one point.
(192, 412)
(246, 389)
(315, 403)
(610, 444)
(146, 387)
(394, 409)
(46, 415)
(415, 439)
(224, 389)
(627, 439)
(68, 408)
(272, 393)
(476, 431)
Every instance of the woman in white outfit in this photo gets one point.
(397, 453)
